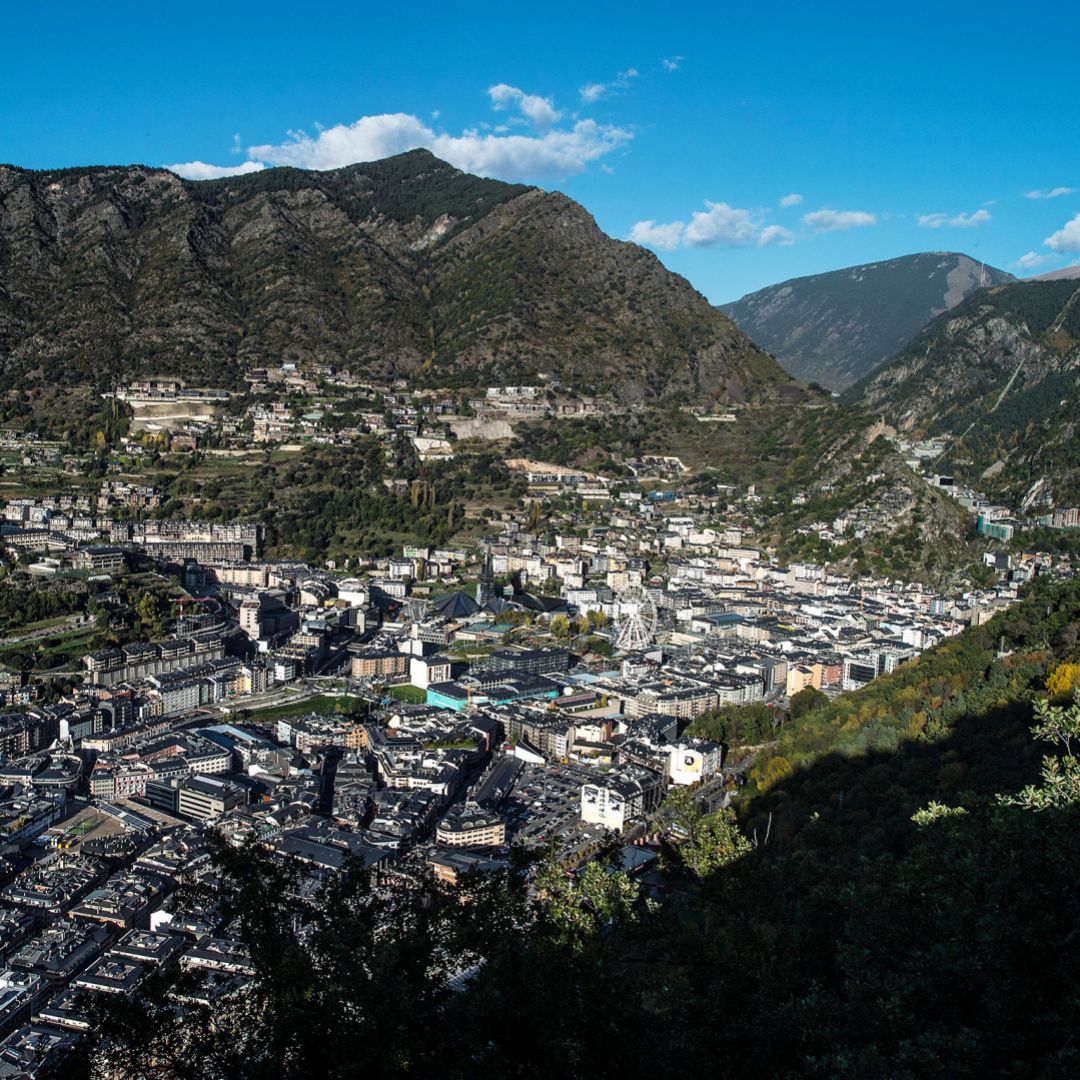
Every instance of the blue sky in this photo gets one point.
(744, 144)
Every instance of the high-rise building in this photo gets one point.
(485, 592)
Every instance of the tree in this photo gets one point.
(148, 611)
(1062, 679)
(341, 966)
(709, 841)
(1058, 725)
(579, 906)
(806, 701)
(1065, 640)
(777, 769)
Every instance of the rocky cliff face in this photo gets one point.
(1000, 377)
(399, 267)
(836, 328)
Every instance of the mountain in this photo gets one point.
(401, 267)
(835, 328)
(1066, 273)
(1000, 376)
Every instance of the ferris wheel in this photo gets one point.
(635, 618)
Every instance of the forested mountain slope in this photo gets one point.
(1000, 376)
(401, 267)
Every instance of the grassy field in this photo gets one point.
(41, 624)
(411, 695)
(469, 650)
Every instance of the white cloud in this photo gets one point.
(368, 139)
(1067, 238)
(199, 170)
(590, 93)
(838, 220)
(720, 226)
(671, 63)
(520, 157)
(539, 110)
(663, 237)
(554, 153)
(1052, 193)
(775, 234)
(1032, 260)
(791, 200)
(957, 221)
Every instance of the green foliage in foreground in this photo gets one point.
(863, 940)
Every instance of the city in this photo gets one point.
(424, 713)
(539, 546)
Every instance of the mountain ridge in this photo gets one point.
(400, 267)
(835, 328)
(1066, 273)
(998, 376)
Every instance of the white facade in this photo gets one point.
(690, 765)
(599, 806)
(424, 670)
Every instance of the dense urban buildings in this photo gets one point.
(436, 710)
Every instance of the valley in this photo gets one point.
(419, 607)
